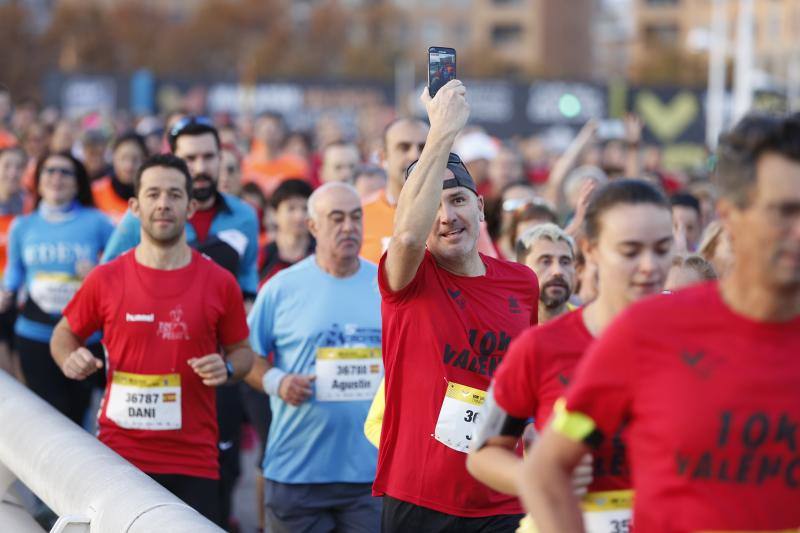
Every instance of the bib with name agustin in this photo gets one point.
(348, 374)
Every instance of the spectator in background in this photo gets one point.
(687, 218)
(369, 181)
(267, 164)
(525, 214)
(12, 204)
(252, 195)
(151, 129)
(403, 140)
(35, 139)
(63, 138)
(112, 192)
(550, 253)
(688, 270)
(339, 162)
(715, 247)
(93, 148)
(505, 168)
(292, 240)
(230, 172)
(476, 149)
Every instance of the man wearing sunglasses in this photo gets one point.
(225, 229)
(449, 314)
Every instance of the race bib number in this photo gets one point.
(459, 416)
(608, 511)
(348, 374)
(52, 291)
(151, 402)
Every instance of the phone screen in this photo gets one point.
(441, 68)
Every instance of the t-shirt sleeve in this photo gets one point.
(262, 319)
(84, 312)
(124, 237)
(407, 292)
(233, 322)
(515, 384)
(248, 268)
(600, 395)
(14, 275)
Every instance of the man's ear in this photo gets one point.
(482, 216)
(133, 206)
(312, 227)
(192, 208)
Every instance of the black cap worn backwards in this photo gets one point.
(461, 177)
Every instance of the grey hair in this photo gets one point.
(321, 190)
(548, 231)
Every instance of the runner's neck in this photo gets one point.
(472, 266)
(338, 268)
(546, 315)
(169, 257)
(757, 302)
(392, 192)
(599, 314)
(292, 247)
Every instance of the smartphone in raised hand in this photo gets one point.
(441, 67)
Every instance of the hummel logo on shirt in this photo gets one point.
(140, 318)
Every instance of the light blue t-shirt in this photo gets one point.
(44, 249)
(298, 312)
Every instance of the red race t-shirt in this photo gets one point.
(156, 412)
(444, 336)
(713, 406)
(536, 371)
(201, 222)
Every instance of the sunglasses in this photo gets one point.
(68, 172)
(452, 159)
(185, 122)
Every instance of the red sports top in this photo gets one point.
(535, 373)
(153, 321)
(444, 328)
(714, 409)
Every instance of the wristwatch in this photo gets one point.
(229, 369)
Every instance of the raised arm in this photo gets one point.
(421, 195)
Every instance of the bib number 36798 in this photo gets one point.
(459, 416)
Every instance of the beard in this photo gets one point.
(204, 193)
(556, 301)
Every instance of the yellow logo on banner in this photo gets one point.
(667, 121)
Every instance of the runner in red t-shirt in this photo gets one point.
(707, 378)
(165, 311)
(449, 315)
(628, 230)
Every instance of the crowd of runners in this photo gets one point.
(431, 330)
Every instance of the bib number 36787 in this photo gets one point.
(459, 416)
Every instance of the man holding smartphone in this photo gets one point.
(449, 314)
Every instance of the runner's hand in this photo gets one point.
(211, 368)
(582, 476)
(81, 364)
(448, 111)
(296, 388)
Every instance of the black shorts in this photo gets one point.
(399, 516)
(7, 320)
(199, 493)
